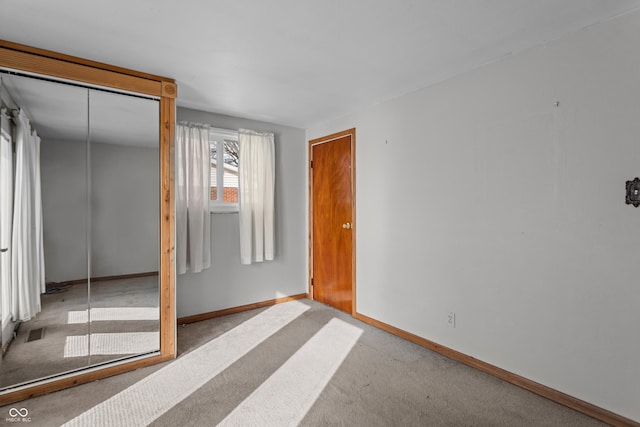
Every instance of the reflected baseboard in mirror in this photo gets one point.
(93, 158)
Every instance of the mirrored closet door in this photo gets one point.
(86, 227)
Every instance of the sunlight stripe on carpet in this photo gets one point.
(154, 395)
(111, 343)
(286, 397)
(104, 314)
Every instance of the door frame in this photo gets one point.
(322, 140)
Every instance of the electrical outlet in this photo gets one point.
(451, 319)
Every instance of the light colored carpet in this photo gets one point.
(294, 388)
(173, 383)
(378, 380)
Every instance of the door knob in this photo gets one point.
(346, 225)
(4, 249)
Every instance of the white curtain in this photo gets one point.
(27, 258)
(193, 213)
(6, 215)
(256, 171)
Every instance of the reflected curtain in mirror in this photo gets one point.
(27, 256)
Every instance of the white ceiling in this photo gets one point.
(298, 62)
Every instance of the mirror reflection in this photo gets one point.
(79, 221)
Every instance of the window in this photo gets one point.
(224, 179)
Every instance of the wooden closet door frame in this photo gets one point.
(39, 61)
(352, 133)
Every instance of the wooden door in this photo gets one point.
(331, 204)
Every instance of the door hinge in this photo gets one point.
(312, 281)
(311, 164)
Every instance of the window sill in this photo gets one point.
(224, 208)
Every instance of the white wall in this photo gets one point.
(509, 211)
(125, 211)
(64, 209)
(125, 203)
(228, 283)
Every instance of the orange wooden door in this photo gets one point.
(332, 232)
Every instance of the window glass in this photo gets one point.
(214, 173)
(225, 152)
(231, 151)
